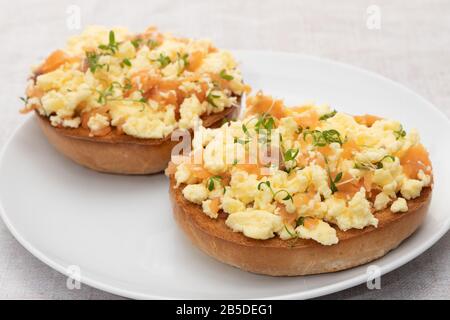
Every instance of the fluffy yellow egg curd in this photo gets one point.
(301, 171)
(144, 85)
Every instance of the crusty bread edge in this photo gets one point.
(119, 154)
(276, 257)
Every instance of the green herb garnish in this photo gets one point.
(300, 221)
(400, 133)
(265, 121)
(291, 154)
(112, 46)
(152, 44)
(287, 197)
(379, 164)
(127, 85)
(24, 99)
(184, 58)
(136, 43)
(210, 98)
(92, 61)
(105, 94)
(290, 233)
(225, 76)
(323, 138)
(267, 183)
(332, 136)
(211, 182)
(362, 166)
(241, 141)
(163, 60)
(334, 181)
(245, 129)
(373, 166)
(328, 115)
(126, 62)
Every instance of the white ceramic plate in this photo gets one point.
(119, 229)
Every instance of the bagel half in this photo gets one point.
(120, 154)
(296, 257)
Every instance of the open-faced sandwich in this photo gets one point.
(111, 99)
(301, 190)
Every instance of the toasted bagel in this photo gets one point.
(111, 99)
(295, 257)
(119, 153)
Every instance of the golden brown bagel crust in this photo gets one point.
(121, 154)
(295, 257)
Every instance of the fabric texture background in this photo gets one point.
(412, 47)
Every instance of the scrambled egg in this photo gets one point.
(145, 85)
(329, 167)
(98, 122)
(256, 224)
(195, 193)
(322, 233)
(399, 205)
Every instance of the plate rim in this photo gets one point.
(312, 293)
